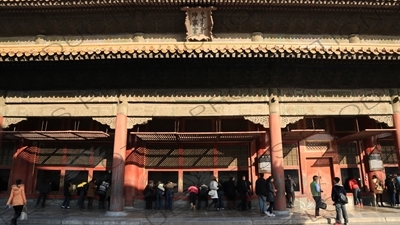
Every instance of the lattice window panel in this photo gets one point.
(233, 155)
(388, 153)
(6, 153)
(318, 146)
(137, 157)
(348, 153)
(315, 123)
(50, 155)
(103, 156)
(161, 125)
(163, 156)
(80, 156)
(344, 124)
(198, 156)
(228, 125)
(199, 125)
(290, 155)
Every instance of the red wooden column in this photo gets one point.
(129, 179)
(118, 171)
(396, 121)
(369, 147)
(276, 149)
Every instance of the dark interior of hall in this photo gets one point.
(198, 73)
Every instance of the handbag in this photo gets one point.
(24, 214)
(248, 198)
(323, 205)
(211, 192)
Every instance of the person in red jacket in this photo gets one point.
(355, 189)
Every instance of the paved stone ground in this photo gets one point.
(53, 214)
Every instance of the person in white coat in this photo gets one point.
(213, 193)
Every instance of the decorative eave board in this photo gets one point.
(167, 5)
(90, 51)
(198, 137)
(55, 135)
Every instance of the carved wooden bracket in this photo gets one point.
(285, 120)
(110, 121)
(263, 120)
(7, 121)
(132, 121)
(199, 23)
(388, 119)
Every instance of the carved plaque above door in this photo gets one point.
(199, 23)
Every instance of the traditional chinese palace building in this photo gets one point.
(183, 90)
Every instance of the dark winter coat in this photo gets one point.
(270, 191)
(261, 187)
(336, 190)
(229, 187)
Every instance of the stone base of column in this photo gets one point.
(116, 214)
(281, 212)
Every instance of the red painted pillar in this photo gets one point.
(118, 171)
(369, 147)
(276, 150)
(129, 181)
(396, 121)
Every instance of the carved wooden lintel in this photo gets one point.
(7, 121)
(110, 121)
(263, 120)
(388, 119)
(132, 121)
(285, 120)
(199, 23)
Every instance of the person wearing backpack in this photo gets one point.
(340, 200)
(102, 193)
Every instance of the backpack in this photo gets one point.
(102, 189)
(342, 198)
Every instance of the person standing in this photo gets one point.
(81, 190)
(289, 189)
(203, 196)
(261, 192)
(355, 189)
(214, 195)
(193, 191)
(159, 195)
(68, 189)
(44, 190)
(243, 189)
(91, 192)
(316, 193)
(271, 191)
(149, 194)
(102, 193)
(377, 189)
(392, 191)
(398, 188)
(230, 192)
(169, 194)
(17, 199)
(338, 189)
(220, 196)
